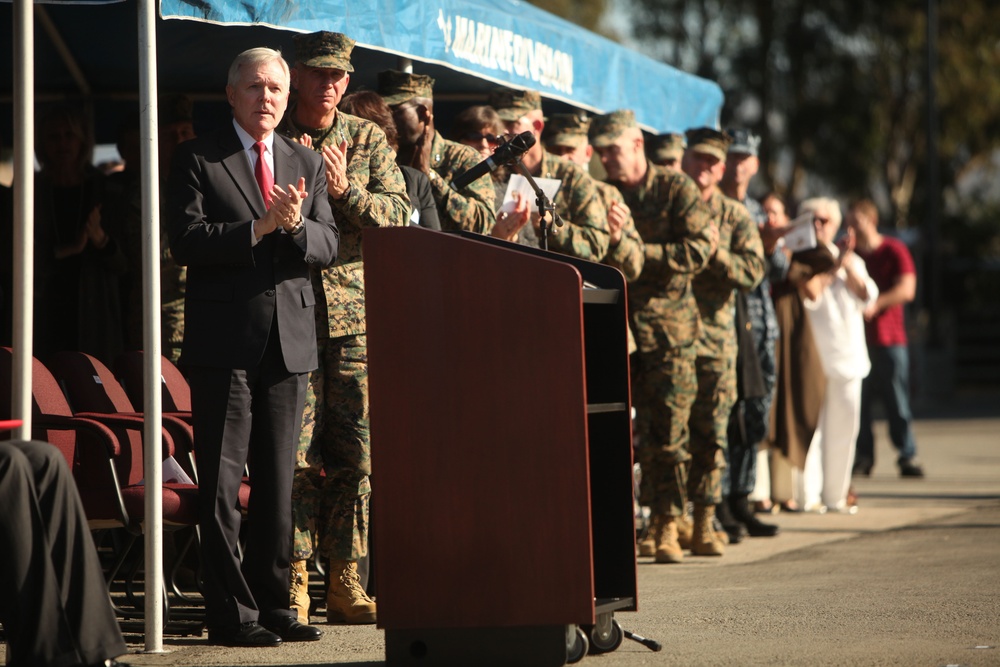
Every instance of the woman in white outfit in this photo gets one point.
(835, 302)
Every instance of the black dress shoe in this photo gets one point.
(290, 630)
(246, 634)
(907, 468)
(740, 509)
(733, 527)
(110, 662)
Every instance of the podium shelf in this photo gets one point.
(598, 408)
(600, 295)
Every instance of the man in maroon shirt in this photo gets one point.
(891, 267)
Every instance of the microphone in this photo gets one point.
(504, 153)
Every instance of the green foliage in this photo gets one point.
(584, 13)
(839, 89)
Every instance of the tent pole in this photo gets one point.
(152, 407)
(24, 214)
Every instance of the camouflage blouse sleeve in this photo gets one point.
(382, 200)
(584, 233)
(472, 208)
(690, 219)
(629, 255)
(741, 261)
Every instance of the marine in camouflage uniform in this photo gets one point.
(578, 203)
(332, 488)
(675, 226)
(666, 150)
(738, 263)
(410, 98)
(749, 422)
(565, 135)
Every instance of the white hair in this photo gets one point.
(827, 205)
(255, 58)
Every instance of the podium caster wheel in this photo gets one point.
(606, 636)
(578, 648)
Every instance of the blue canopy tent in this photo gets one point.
(102, 56)
(505, 42)
(87, 49)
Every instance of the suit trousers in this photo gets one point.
(246, 418)
(53, 601)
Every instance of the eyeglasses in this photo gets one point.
(475, 138)
(822, 221)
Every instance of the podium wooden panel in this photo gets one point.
(480, 423)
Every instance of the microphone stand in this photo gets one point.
(545, 205)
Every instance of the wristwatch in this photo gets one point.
(299, 226)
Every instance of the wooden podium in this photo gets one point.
(501, 450)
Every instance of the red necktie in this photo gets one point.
(265, 180)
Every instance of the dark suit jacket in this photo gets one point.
(234, 287)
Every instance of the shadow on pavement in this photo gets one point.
(868, 495)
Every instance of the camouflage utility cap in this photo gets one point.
(664, 147)
(397, 87)
(708, 141)
(513, 104)
(745, 142)
(605, 130)
(566, 129)
(324, 49)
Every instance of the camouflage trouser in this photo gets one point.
(709, 425)
(172, 328)
(331, 489)
(663, 390)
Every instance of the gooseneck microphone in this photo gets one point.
(502, 155)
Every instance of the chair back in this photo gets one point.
(46, 399)
(90, 387)
(86, 447)
(175, 394)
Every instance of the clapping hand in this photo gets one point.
(335, 158)
(617, 215)
(509, 223)
(285, 211)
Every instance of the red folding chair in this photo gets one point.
(175, 393)
(106, 456)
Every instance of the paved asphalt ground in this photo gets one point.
(913, 579)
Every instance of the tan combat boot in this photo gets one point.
(667, 548)
(684, 531)
(346, 600)
(298, 590)
(704, 542)
(647, 545)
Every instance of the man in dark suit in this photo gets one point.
(53, 603)
(250, 339)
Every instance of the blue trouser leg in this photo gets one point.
(889, 382)
(897, 400)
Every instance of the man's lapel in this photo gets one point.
(285, 163)
(236, 163)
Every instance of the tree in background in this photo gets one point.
(839, 91)
(584, 13)
(836, 87)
